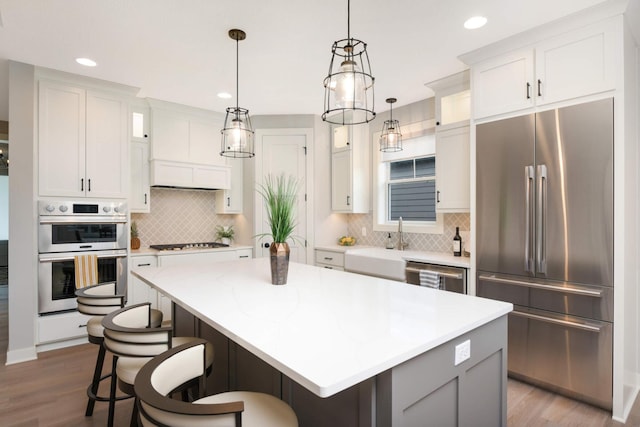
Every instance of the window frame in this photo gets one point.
(380, 187)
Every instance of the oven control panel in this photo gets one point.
(86, 208)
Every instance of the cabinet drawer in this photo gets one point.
(60, 327)
(330, 258)
(144, 261)
(331, 267)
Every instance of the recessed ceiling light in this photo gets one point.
(224, 95)
(86, 62)
(475, 22)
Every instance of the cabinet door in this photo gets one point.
(139, 196)
(138, 291)
(341, 182)
(61, 140)
(230, 201)
(578, 64)
(107, 146)
(452, 170)
(341, 138)
(503, 84)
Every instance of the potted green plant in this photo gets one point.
(279, 195)
(225, 234)
(135, 240)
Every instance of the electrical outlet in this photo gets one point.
(364, 231)
(463, 352)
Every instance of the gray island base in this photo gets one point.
(414, 383)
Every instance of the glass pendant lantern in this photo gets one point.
(391, 137)
(237, 134)
(348, 88)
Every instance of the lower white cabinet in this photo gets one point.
(138, 291)
(59, 327)
(333, 260)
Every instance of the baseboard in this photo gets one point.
(22, 355)
(631, 393)
(61, 344)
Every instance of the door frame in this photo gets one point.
(257, 216)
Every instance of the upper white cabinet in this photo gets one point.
(452, 170)
(140, 195)
(140, 190)
(575, 64)
(82, 142)
(350, 166)
(229, 201)
(185, 134)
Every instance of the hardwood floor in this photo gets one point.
(51, 391)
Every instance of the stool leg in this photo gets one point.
(97, 373)
(134, 413)
(112, 394)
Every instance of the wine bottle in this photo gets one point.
(457, 243)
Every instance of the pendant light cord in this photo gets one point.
(349, 21)
(237, 77)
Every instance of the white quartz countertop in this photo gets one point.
(439, 258)
(327, 330)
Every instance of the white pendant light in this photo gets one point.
(348, 89)
(237, 134)
(391, 137)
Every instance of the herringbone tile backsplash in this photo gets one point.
(179, 216)
(419, 242)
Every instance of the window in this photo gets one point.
(405, 183)
(412, 189)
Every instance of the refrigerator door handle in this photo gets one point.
(541, 220)
(528, 185)
(574, 290)
(568, 323)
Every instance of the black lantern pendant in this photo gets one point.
(391, 137)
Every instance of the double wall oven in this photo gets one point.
(68, 229)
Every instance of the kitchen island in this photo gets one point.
(347, 349)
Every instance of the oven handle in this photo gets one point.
(67, 257)
(576, 325)
(575, 290)
(447, 275)
(82, 220)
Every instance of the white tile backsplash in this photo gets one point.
(179, 216)
(419, 242)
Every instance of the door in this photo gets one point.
(282, 151)
(505, 177)
(574, 155)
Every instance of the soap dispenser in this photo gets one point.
(389, 242)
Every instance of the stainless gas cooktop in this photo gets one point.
(188, 246)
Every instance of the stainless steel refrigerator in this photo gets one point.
(544, 230)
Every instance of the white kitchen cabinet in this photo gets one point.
(452, 170)
(578, 63)
(138, 291)
(229, 201)
(140, 194)
(60, 327)
(350, 170)
(82, 142)
(185, 134)
(333, 260)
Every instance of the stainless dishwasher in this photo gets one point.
(452, 279)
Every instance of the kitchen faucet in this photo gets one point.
(401, 242)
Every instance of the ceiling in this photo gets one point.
(179, 50)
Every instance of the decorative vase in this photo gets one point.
(279, 253)
(226, 241)
(135, 243)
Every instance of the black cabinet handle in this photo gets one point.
(143, 265)
(228, 201)
(81, 184)
(145, 198)
(539, 87)
(438, 196)
(266, 245)
(528, 90)
(89, 184)
(348, 201)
